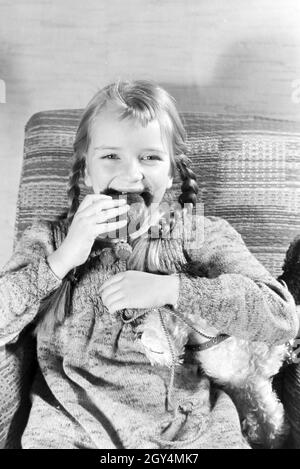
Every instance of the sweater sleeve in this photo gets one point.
(25, 280)
(236, 294)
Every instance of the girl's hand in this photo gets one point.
(136, 289)
(90, 220)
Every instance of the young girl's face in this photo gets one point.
(127, 157)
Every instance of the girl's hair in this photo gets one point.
(142, 101)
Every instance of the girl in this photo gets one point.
(89, 291)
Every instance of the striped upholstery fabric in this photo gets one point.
(248, 170)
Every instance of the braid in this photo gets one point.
(189, 185)
(54, 308)
(73, 187)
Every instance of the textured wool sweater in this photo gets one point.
(85, 395)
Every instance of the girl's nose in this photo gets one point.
(133, 171)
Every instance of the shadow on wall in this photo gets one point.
(254, 76)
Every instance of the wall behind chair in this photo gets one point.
(221, 56)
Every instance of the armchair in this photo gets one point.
(249, 173)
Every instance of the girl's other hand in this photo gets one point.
(136, 289)
(90, 221)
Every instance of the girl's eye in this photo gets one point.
(111, 156)
(151, 157)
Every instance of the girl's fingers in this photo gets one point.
(112, 300)
(90, 199)
(108, 295)
(108, 214)
(116, 306)
(103, 204)
(110, 290)
(111, 281)
(108, 227)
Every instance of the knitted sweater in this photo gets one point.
(85, 396)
